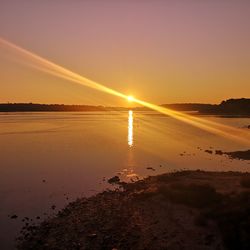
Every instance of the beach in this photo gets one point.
(179, 210)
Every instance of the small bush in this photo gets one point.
(245, 182)
(193, 195)
(170, 177)
(233, 220)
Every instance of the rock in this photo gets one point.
(218, 152)
(92, 236)
(149, 168)
(14, 216)
(114, 180)
(209, 151)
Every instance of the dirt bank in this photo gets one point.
(182, 210)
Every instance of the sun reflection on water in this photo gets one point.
(130, 128)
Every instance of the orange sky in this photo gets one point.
(159, 51)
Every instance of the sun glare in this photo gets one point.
(130, 98)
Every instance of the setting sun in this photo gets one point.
(131, 98)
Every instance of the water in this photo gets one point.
(52, 158)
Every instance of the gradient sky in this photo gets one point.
(162, 51)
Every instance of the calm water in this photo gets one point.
(52, 158)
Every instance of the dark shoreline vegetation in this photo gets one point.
(239, 155)
(231, 107)
(180, 210)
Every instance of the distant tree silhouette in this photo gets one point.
(228, 107)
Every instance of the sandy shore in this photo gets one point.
(182, 210)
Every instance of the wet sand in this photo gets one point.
(181, 210)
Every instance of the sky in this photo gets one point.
(161, 51)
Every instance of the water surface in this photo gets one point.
(51, 158)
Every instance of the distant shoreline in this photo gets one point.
(231, 107)
(36, 107)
